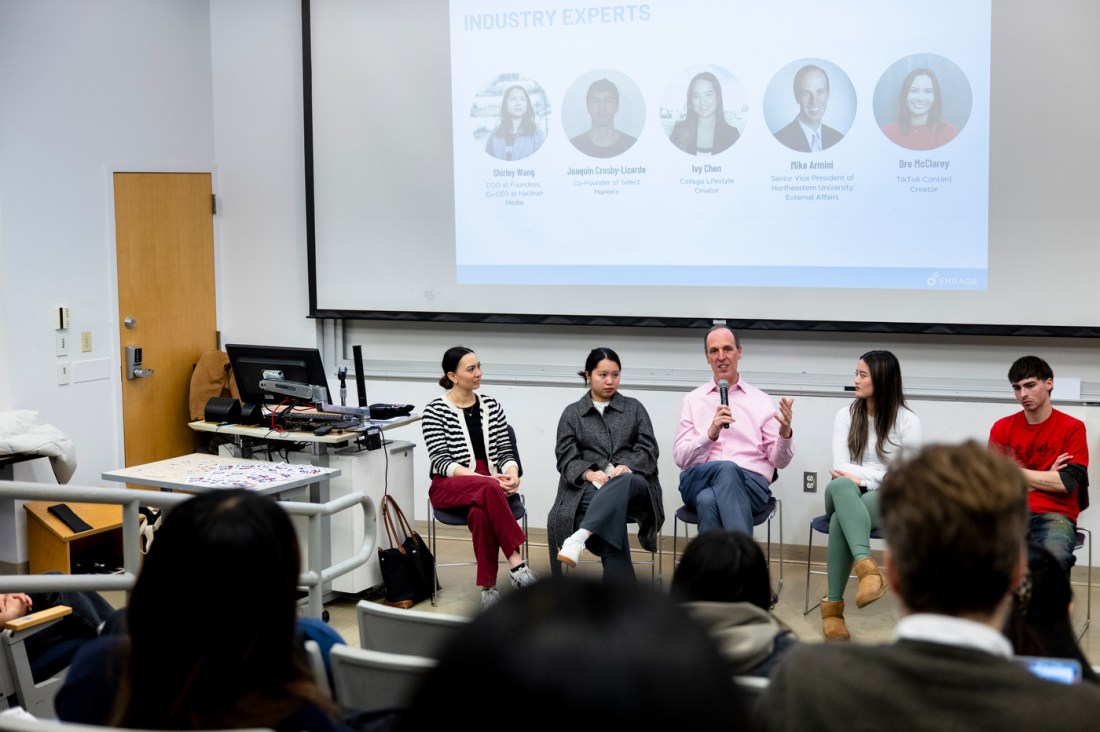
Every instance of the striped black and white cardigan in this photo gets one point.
(448, 440)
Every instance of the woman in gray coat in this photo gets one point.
(607, 458)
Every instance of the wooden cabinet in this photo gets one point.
(53, 546)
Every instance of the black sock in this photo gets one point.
(518, 568)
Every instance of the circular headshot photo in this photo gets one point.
(703, 110)
(922, 101)
(810, 105)
(603, 113)
(510, 115)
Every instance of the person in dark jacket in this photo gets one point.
(607, 458)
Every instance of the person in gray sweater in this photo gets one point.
(607, 458)
(954, 518)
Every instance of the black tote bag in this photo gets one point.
(408, 568)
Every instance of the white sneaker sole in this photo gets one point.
(567, 560)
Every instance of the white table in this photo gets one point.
(174, 474)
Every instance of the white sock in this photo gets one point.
(581, 535)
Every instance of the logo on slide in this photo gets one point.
(933, 279)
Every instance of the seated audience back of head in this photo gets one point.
(954, 518)
(212, 640)
(723, 583)
(1039, 624)
(578, 654)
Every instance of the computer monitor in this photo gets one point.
(252, 364)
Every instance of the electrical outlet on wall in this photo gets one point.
(809, 482)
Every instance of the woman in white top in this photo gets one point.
(867, 435)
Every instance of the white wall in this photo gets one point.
(87, 88)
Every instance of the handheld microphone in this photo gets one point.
(342, 374)
(724, 397)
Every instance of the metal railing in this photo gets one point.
(313, 578)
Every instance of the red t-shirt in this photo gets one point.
(1036, 446)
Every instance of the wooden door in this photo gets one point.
(164, 239)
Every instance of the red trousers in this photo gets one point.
(489, 517)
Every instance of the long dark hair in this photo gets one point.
(212, 621)
(690, 128)
(719, 566)
(888, 402)
(935, 112)
(527, 124)
(657, 668)
(594, 357)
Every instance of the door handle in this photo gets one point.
(134, 369)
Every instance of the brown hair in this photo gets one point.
(954, 517)
(888, 402)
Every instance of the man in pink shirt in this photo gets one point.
(728, 454)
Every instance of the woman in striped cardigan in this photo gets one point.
(473, 467)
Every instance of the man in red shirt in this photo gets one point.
(1051, 448)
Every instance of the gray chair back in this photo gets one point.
(371, 681)
(411, 632)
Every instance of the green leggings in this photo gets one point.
(852, 515)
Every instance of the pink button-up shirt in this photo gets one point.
(752, 441)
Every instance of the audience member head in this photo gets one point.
(721, 566)
(451, 360)
(212, 620)
(1039, 624)
(954, 518)
(582, 654)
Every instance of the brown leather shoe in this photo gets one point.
(872, 584)
(832, 620)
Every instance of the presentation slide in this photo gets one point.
(701, 142)
(856, 165)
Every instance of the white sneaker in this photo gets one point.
(570, 552)
(522, 577)
(489, 597)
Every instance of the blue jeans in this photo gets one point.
(1055, 533)
(724, 495)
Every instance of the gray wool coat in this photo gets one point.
(588, 440)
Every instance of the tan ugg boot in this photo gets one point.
(832, 620)
(872, 585)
